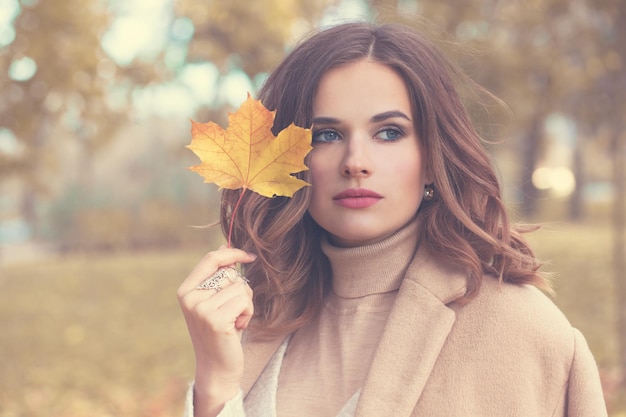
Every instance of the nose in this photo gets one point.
(356, 162)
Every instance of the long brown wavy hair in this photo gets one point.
(466, 223)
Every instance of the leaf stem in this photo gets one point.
(232, 217)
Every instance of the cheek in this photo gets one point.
(314, 169)
(318, 177)
(411, 177)
(319, 170)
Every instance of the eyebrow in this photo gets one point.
(374, 119)
(389, 115)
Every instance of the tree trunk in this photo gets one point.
(576, 199)
(530, 154)
(619, 239)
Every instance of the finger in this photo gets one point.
(237, 292)
(202, 311)
(195, 297)
(222, 317)
(214, 260)
(215, 315)
(243, 321)
(211, 262)
(222, 278)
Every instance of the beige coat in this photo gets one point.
(509, 352)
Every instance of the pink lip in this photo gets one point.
(357, 198)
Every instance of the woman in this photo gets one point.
(395, 285)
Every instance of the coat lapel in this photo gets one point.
(416, 330)
(257, 353)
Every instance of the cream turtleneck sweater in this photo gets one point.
(327, 360)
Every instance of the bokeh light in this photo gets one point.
(22, 69)
(558, 180)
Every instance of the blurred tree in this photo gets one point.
(250, 36)
(59, 88)
(57, 78)
(590, 59)
(541, 57)
(513, 58)
(609, 110)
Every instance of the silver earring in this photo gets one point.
(429, 192)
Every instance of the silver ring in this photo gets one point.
(214, 282)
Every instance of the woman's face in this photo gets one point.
(367, 164)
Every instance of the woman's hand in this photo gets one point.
(215, 320)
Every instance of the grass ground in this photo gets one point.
(94, 336)
(103, 335)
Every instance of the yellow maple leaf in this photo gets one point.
(248, 155)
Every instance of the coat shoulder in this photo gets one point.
(516, 341)
(520, 314)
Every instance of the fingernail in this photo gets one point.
(252, 255)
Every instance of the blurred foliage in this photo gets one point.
(67, 100)
(85, 222)
(68, 87)
(251, 36)
(541, 58)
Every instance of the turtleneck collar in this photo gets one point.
(372, 269)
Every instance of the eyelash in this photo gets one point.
(399, 132)
(395, 129)
(318, 133)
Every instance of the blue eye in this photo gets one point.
(325, 136)
(389, 134)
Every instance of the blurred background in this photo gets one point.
(99, 213)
